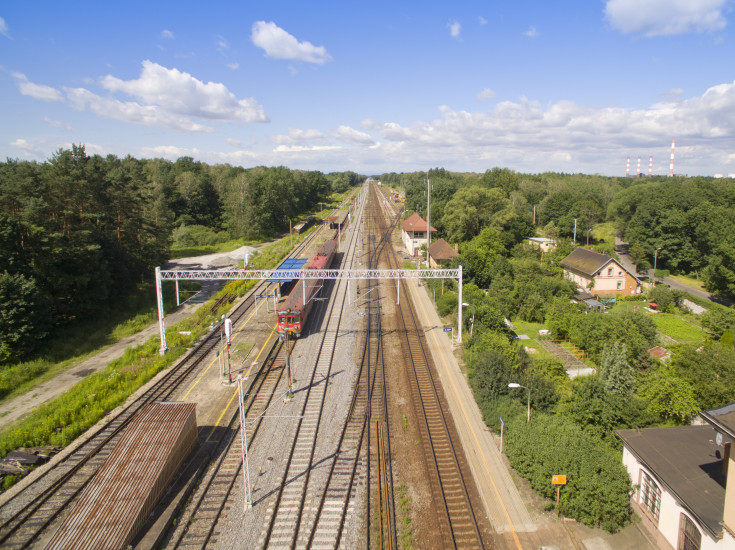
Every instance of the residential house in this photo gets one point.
(414, 233)
(440, 251)
(546, 245)
(684, 480)
(599, 274)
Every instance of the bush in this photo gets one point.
(446, 303)
(598, 485)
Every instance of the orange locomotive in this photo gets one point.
(293, 314)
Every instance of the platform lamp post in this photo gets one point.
(514, 385)
(472, 321)
(655, 258)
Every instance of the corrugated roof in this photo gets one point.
(683, 459)
(442, 250)
(288, 263)
(117, 502)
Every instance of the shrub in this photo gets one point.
(598, 485)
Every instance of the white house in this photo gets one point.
(414, 233)
(599, 274)
(684, 480)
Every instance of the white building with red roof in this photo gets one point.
(414, 234)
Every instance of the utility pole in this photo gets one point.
(575, 230)
(428, 219)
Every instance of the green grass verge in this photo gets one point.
(688, 281)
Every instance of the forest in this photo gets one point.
(79, 232)
(514, 290)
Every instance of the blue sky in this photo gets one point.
(534, 86)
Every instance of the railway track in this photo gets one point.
(291, 524)
(460, 527)
(199, 520)
(33, 512)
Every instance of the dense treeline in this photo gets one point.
(78, 232)
(691, 220)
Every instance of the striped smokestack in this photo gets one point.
(650, 166)
(627, 168)
(639, 166)
(671, 165)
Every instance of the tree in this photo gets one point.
(615, 373)
(639, 257)
(668, 395)
(479, 255)
(24, 316)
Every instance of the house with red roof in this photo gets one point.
(414, 233)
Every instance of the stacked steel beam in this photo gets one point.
(118, 500)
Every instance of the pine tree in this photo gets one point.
(615, 372)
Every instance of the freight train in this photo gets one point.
(294, 313)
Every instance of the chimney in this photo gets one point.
(627, 168)
(671, 165)
(650, 166)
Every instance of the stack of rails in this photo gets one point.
(304, 225)
(294, 312)
(122, 494)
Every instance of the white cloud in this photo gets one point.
(562, 136)
(531, 32)
(665, 17)
(58, 124)
(279, 44)
(234, 142)
(350, 135)
(455, 28)
(481, 20)
(26, 147)
(36, 91)
(222, 43)
(171, 91)
(170, 152)
(4, 28)
(485, 94)
(296, 136)
(165, 33)
(234, 66)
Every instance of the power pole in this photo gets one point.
(428, 219)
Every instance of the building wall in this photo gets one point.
(666, 532)
(606, 286)
(413, 240)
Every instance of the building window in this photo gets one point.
(620, 273)
(650, 496)
(620, 285)
(610, 272)
(689, 536)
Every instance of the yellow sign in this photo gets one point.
(559, 480)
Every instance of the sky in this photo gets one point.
(383, 86)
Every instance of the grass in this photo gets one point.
(678, 329)
(604, 232)
(688, 281)
(403, 519)
(531, 330)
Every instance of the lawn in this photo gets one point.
(690, 282)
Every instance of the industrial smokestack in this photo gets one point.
(639, 166)
(627, 168)
(671, 165)
(650, 166)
